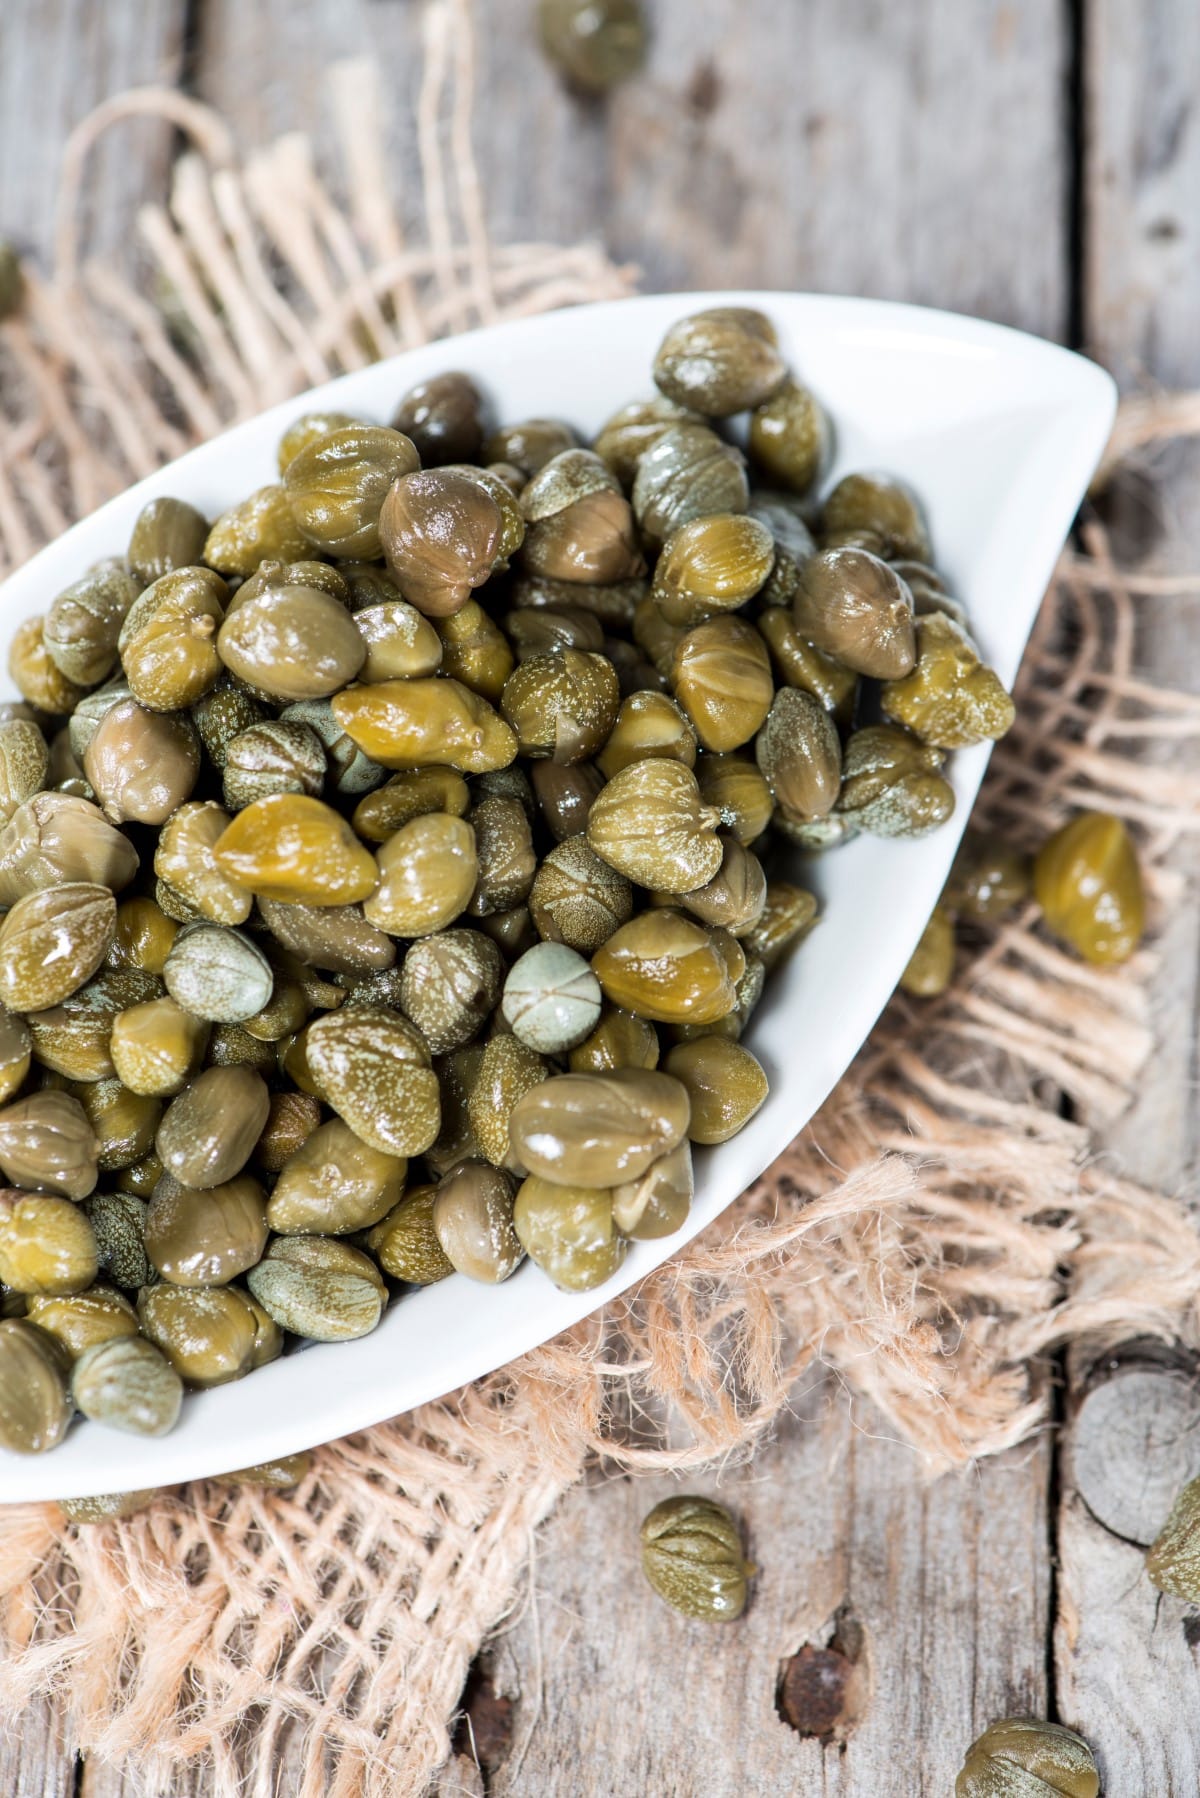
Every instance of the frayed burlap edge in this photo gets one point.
(934, 1230)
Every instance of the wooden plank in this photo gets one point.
(35, 1759)
(947, 1583)
(59, 59)
(746, 152)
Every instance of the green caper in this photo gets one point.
(129, 1385)
(51, 942)
(667, 968)
(721, 676)
(951, 698)
(24, 763)
(692, 1555)
(34, 1408)
(620, 1040)
(930, 968)
(721, 361)
(84, 622)
(282, 1474)
(46, 1245)
(733, 786)
(800, 755)
(712, 565)
(406, 1243)
(508, 1069)
(309, 428)
(143, 936)
(78, 1321)
(596, 45)
(414, 794)
(209, 1334)
(801, 664)
(651, 824)
(529, 444)
(218, 974)
(892, 785)
(457, 1074)
(167, 534)
(577, 898)
(504, 855)
(185, 862)
(735, 896)
(624, 439)
(1023, 1757)
(724, 1083)
(272, 757)
(117, 1221)
(291, 1120)
(562, 705)
(123, 1122)
(337, 484)
(334, 1183)
(209, 1131)
(441, 417)
(373, 1068)
(551, 998)
(568, 1232)
(788, 914)
(657, 1203)
(47, 1145)
(168, 639)
(1087, 881)
(473, 1221)
(206, 1238)
(988, 878)
(258, 528)
(449, 985)
(882, 506)
(292, 642)
(599, 1129)
(790, 437)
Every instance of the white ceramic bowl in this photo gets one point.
(999, 433)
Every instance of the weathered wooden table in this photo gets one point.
(1032, 161)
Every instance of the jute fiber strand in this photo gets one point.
(936, 1229)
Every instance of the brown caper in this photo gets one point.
(52, 941)
(206, 1238)
(142, 764)
(441, 534)
(338, 483)
(441, 416)
(624, 439)
(800, 755)
(856, 608)
(565, 795)
(721, 361)
(472, 1218)
(143, 936)
(336, 937)
(291, 1120)
(292, 643)
(209, 1132)
(529, 444)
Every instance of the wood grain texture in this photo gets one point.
(912, 152)
(59, 59)
(947, 1583)
(36, 1760)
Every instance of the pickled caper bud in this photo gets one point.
(80, 1320)
(218, 974)
(800, 755)
(667, 968)
(801, 664)
(297, 850)
(337, 937)
(209, 1334)
(441, 416)
(143, 936)
(854, 607)
(788, 914)
(733, 786)
(415, 794)
(427, 874)
(406, 1243)
(168, 534)
(561, 705)
(624, 439)
(24, 763)
(620, 1040)
(52, 941)
(790, 437)
(34, 1408)
(650, 824)
(598, 1130)
(930, 967)
(57, 837)
(34, 673)
(657, 1203)
(84, 622)
(449, 985)
(693, 1557)
(952, 698)
(208, 1133)
(988, 878)
(719, 362)
(206, 1238)
(185, 859)
(142, 764)
(1087, 881)
(337, 484)
(309, 428)
(688, 473)
(272, 757)
(117, 1220)
(712, 565)
(291, 1120)
(123, 1122)
(223, 713)
(568, 1231)
(577, 898)
(1023, 1757)
(565, 795)
(426, 722)
(882, 506)
(508, 1069)
(724, 1083)
(891, 784)
(372, 1067)
(648, 725)
(129, 1385)
(334, 1183)
(168, 640)
(529, 444)
(259, 527)
(16, 1053)
(1173, 1558)
(292, 642)
(721, 676)
(504, 855)
(442, 535)
(735, 896)
(472, 1218)
(46, 1245)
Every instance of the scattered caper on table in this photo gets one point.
(1023, 1757)
(391, 865)
(693, 1557)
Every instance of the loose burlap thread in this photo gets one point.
(938, 1227)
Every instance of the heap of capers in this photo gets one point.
(388, 870)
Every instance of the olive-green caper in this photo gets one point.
(309, 428)
(117, 1220)
(537, 631)
(139, 1181)
(441, 416)
(951, 698)
(52, 941)
(272, 757)
(143, 936)
(688, 473)
(184, 859)
(568, 1231)
(78, 1321)
(84, 622)
(142, 764)
(650, 824)
(790, 437)
(34, 673)
(733, 786)
(788, 914)
(24, 763)
(337, 484)
(735, 896)
(648, 725)
(427, 874)
(348, 770)
(292, 642)
(692, 1555)
(282, 1474)
(1173, 1558)
(406, 1244)
(74, 1038)
(624, 438)
(334, 1183)
(34, 1408)
(16, 1053)
(426, 722)
(884, 507)
(854, 607)
(657, 1203)
(218, 974)
(129, 1385)
(167, 534)
(414, 794)
(106, 1507)
(507, 1070)
(577, 898)
(892, 785)
(620, 1040)
(259, 527)
(1023, 1757)
(930, 967)
(529, 444)
(156, 1045)
(712, 565)
(291, 1120)
(505, 858)
(800, 755)
(46, 1245)
(988, 878)
(472, 1218)
(337, 937)
(206, 1238)
(1087, 881)
(55, 838)
(209, 1334)
(209, 1132)
(801, 664)
(296, 849)
(168, 639)
(565, 795)
(595, 45)
(372, 1067)
(721, 361)
(724, 1083)
(667, 968)
(599, 1129)
(449, 985)
(285, 1012)
(124, 1123)
(561, 705)
(721, 676)
(551, 998)
(232, 1046)
(457, 1074)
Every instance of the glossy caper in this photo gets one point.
(427, 874)
(24, 763)
(693, 1557)
(712, 565)
(84, 622)
(565, 795)
(790, 437)
(184, 859)
(721, 676)
(530, 443)
(651, 824)
(128, 1384)
(988, 878)
(34, 1407)
(577, 898)
(209, 1131)
(209, 1334)
(1024, 1757)
(598, 1130)
(426, 723)
(788, 914)
(473, 1221)
(1088, 883)
(206, 1238)
(882, 506)
(930, 967)
(46, 1245)
(143, 936)
(167, 534)
(124, 1123)
(951, 698)
(724, 1083)
(668, 968)
(337, 484)
(218, 974)
(35, 674)
(800, 755)
(507, 1070)
(441, 417)
(449, 985)
(657, 1202)
(721, 361)
(373, 1068)
(595, 45)
(624, 438)
(78, 1321)
(406, 1243)
(892, 785)
(688, 473)
(168, 639)
(48, 1145)
(142, 764)
(735, 896)
(620, 1040)
(568, 1231)
(292, 642)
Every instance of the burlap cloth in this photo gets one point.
(938, 1227)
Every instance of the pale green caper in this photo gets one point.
(129, 1385)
